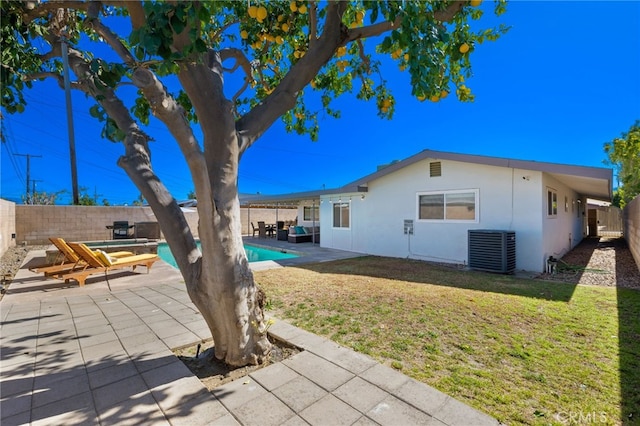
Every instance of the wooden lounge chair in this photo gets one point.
(68, 260)
(98, 263)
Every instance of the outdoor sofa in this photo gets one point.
(304, 234)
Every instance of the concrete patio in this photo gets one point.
(101, 354)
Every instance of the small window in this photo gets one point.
(435, 169)
(455, 206)
(310, 213)
(552, 202)
(566, 204)
(341, 215)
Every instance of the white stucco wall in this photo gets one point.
(509, 199)
(565, 230)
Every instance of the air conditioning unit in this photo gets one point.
(492, 250)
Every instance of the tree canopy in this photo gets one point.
(624, 155)
(230, 68)
(260, 44)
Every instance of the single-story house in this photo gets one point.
(437, 206)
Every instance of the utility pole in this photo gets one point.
(29, 168)
(33, 185)
(72, 141)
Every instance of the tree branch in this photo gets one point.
(372, 30)
(447, 14)
(136, 13)
(110, 37)
(241, 61)
(313, 22)
(136, 163)
(43, 9)
(253, 124)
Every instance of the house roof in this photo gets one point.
(591, 182)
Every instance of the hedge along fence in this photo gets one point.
(36, 224)
(631, 219)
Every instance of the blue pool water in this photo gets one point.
(254, 254)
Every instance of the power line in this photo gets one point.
(28, 168)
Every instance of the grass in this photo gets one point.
(523, 351)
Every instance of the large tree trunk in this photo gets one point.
(225, 292)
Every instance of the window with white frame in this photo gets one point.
(310, 213)
(341, 215)
(552, 202)
(449, 206)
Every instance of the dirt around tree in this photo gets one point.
(213, 373)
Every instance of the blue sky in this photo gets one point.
(561, 83)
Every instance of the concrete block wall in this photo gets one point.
(35, 224)
(7, 225)
(631, 215)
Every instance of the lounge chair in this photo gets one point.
(68, 259)
(101, 262)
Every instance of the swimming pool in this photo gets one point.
(254, 254)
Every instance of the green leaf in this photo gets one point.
(177, 24)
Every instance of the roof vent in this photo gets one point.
(435, 169)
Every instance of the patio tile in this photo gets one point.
(11, 405)
(454, 413)
(421, 396)
(60, 389)
(90, 322)
(180, 340)
(19, 419)
(136, 410)
(126, 321)
(95, 329)
(330, 411)
(77, 409)
(47, 376)
(299, 393)
(365, 421)
(114, 373)
(102, 352)
(87, 340)
(384, 377)
(360, 394)
(274, 376)
(138, 340)
(203, 410)
(119, 391)
(239, 392)
(295, 421)
(148, 348)
(392, 411)
(166, 374)
(265, 410)
(345, 358)
(16, 384)
(306, 340)
(136, 328)
(146, 361)
(167, 397)
(325, 374)
(168, 328)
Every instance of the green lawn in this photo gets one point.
(523, 351)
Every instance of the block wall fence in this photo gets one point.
(35, 224)
(631, 218)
